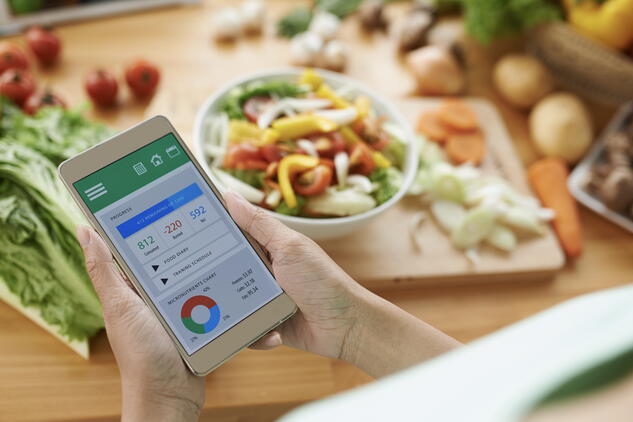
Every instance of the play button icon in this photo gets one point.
(155, 267)
(164, 280)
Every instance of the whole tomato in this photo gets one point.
(142, 77)
(102, 87)
(11, 57)
(44, 44)
(42, 99)
(17, 84)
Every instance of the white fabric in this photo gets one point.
(498, 378)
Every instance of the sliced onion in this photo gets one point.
(308, 147)
(273, 198)
(342, 116)
(270, 114)
(360, 182)
(341, 164)
(307, 104)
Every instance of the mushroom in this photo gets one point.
(227, 24)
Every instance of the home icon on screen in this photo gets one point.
(156, 160)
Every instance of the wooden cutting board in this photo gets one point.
(383, 255)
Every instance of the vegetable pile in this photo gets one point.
(472, 208)
(454, 126)
(304, 149)
(42, 271)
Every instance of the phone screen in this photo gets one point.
(179, 241)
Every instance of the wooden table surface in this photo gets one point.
(41, 380)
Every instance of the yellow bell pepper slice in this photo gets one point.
(362, 105)
(328, 93)
(380, 160)
(350, 136)
(301, 125)
(287, 166)
(311, 78)
(268, 137)
(242, 131)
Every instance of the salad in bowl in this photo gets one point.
(317, 149)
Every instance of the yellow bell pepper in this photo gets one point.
(350, 136)
(362, 105)
(380, 160)
(610, 23)
(301, 125)
(242, 131)
(268, 137)
(328, 93)
(287, 166)
(311, 78)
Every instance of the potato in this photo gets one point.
(522, 80)
(560, 126)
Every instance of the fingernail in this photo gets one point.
(83, 235)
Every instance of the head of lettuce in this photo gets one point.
(42, 271)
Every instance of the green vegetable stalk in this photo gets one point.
(389, 181)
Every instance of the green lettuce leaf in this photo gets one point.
(40, 259)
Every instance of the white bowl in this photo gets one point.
(316, 228)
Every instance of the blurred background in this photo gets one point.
(549, 86)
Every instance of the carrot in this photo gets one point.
(548, 178)
(456, 114)
(466, 147)
(430, 125)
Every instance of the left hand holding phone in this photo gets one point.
(156, 384)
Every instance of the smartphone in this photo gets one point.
(209, 284)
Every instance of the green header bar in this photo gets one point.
(131, 172)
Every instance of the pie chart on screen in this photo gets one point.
(200, 314)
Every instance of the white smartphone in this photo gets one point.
(209, 284)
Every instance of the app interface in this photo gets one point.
(185, 250)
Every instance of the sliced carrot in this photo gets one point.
(456, 114)
(430, 125)
(548, 178)
(466, 147)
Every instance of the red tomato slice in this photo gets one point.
(255, 106)
(361, 160)
(252, 165)
(239, 153)
(313, 181)
(271, 153)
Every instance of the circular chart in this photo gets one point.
(193, 326)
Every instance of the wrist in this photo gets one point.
(144, 402)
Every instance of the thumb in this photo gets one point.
(106, 278)
(267, 230)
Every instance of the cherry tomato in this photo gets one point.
(271, 153)
(44, 44)
(11, 57)
(142, 77)
(314, 181)
(102, 87)
(242, 152)
(361, 160)
(255, 106)
(17, 84)
(329, 145)
(42, 99)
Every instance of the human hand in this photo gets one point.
(337, 317)
(156, 383)
(328, 299)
